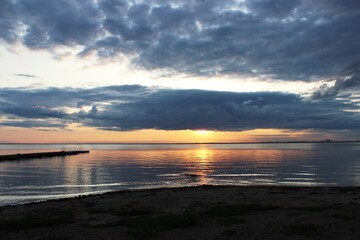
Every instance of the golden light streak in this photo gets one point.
(202, 132)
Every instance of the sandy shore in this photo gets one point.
(204, 212)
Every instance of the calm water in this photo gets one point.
(120, 166)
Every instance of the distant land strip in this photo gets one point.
(181, 143)
(39, 155)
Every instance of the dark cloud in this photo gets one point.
(31, 111)
(273, 8)
(39, 124)
(347, 84)
(293, 39)
(132, 107)
(8, 24)
(42, 24)
(25, 75)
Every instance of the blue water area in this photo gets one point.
(110, 167)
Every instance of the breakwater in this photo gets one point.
(39, 155)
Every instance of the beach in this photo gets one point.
(204, 212)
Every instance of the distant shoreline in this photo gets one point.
(177, 143)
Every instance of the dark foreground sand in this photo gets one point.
(199, 213)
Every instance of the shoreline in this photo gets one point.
(180, 188)
(130, 190)
(199, 212)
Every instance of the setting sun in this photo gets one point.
(203, 132)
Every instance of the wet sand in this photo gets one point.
(205, 212)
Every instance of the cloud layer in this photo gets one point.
(272, 39)
(132, 107)
(293, 39)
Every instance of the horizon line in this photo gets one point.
(164, 143)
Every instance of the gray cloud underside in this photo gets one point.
(25, 75)
(132, 107)
(39, 124)
(343, 86)
(292, 39)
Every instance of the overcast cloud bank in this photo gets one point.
(133, 107)
(289, 40)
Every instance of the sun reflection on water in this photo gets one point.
(203, 154)
(202, 159)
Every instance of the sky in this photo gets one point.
(179, 71)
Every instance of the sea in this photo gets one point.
(112, 167)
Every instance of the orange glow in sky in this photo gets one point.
(78, 134)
